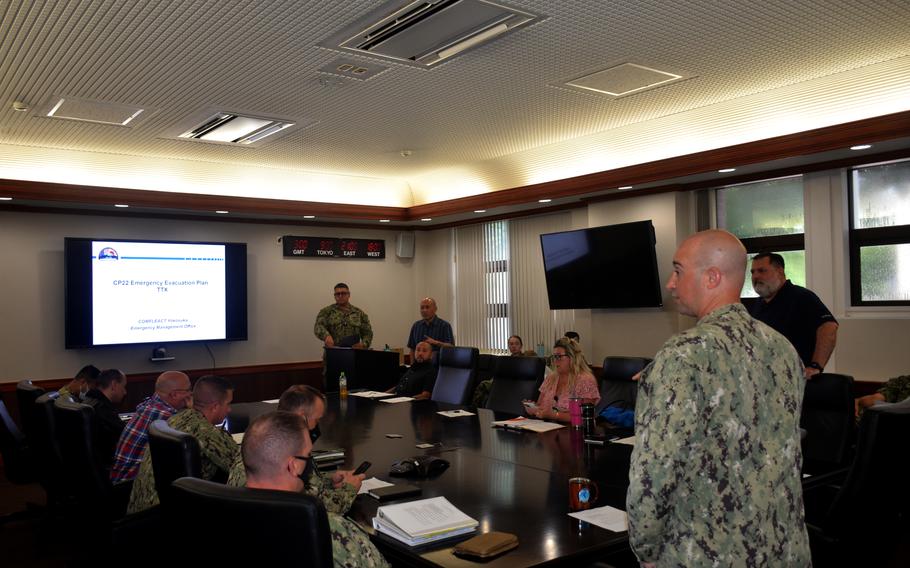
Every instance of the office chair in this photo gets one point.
(828, 416)
(516, 379)
(869, 511)
(272, 527)
(455, 378)
(616, 385)
(175, 454)
(48, 457)
(26, 395)
(17, 457)
(97, 498)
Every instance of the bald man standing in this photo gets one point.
(715, 473)
(436, 331)
(172, 391)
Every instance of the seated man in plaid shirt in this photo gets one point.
(172, 391)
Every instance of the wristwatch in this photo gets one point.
(815, 365)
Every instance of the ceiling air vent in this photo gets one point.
(427, 32)
(231, 128)
(89, 110)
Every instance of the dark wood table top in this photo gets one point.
(509, 481)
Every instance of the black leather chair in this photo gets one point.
(96, 497)
(828, 416)
(175, 454)
(51, 470)
(864, 519)
(616, 385)
(26, 395)
(456, 376)
(17, 462)
(516, 379)
(272, 527)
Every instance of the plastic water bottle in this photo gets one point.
(342, 385)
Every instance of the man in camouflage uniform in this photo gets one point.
(715, 473)
(218, 451)
(276, 453)
(338, 491)
(895, 390)
(342, 319)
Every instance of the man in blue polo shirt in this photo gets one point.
(797, 313)
(435, 331)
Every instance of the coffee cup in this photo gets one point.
(583, 493)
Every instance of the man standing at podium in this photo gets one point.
(342, 324)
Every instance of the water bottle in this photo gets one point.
(342, 385)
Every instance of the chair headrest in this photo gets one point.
(461, 357)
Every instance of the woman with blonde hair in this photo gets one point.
(571, 379)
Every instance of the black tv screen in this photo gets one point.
(614, 266)
(130, 291)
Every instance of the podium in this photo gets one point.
(363, 368)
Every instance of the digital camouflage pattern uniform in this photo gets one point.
(319, 486)
(715, 473)
(338, 323)
(351, 547)
(216, 447)
(896, 389)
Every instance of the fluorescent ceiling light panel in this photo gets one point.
(624, 80)
(232, 128)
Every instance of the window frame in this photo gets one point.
(875, 236)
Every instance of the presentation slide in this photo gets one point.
(148, 292)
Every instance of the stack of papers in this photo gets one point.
(371, 394)
(532, 424)
(423, 521)
(398, 399)
(373, 483)
(455, 413)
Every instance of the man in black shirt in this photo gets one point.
(797, 313)
(106, 391)
(419, 379)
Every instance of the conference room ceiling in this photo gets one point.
(495, 117)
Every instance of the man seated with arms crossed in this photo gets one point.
(276, 455)
(419, 379)
(714, 478)
(172, 392)
(77, 387)
(336, 492)
(218, 451)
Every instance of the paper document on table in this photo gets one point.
(372, 483)
(397, 399)
(455, 413)
(371, 394)
(425, 517)
(607, 517)
(628, 441)
(238, 437)
(522, 423)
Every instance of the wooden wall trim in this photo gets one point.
(839, 136)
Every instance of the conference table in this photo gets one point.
(510, 481)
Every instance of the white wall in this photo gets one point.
(284, 295)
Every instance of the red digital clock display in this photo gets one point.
(331, 247)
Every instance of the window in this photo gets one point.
(767, 216)
(880, 234)
(499, 284)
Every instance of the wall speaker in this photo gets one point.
(405, 245)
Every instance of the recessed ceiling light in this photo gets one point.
(480, 211)
(544, 200)
(309, 216)
(122, 205)
(384, 220)
(624, 187)
(726, 170)
(861, 147)
(427, 219)
(6, 198)
(222, 212)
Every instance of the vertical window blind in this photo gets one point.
(500, 288)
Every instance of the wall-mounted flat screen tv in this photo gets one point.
(614, 266)
(130, 291)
